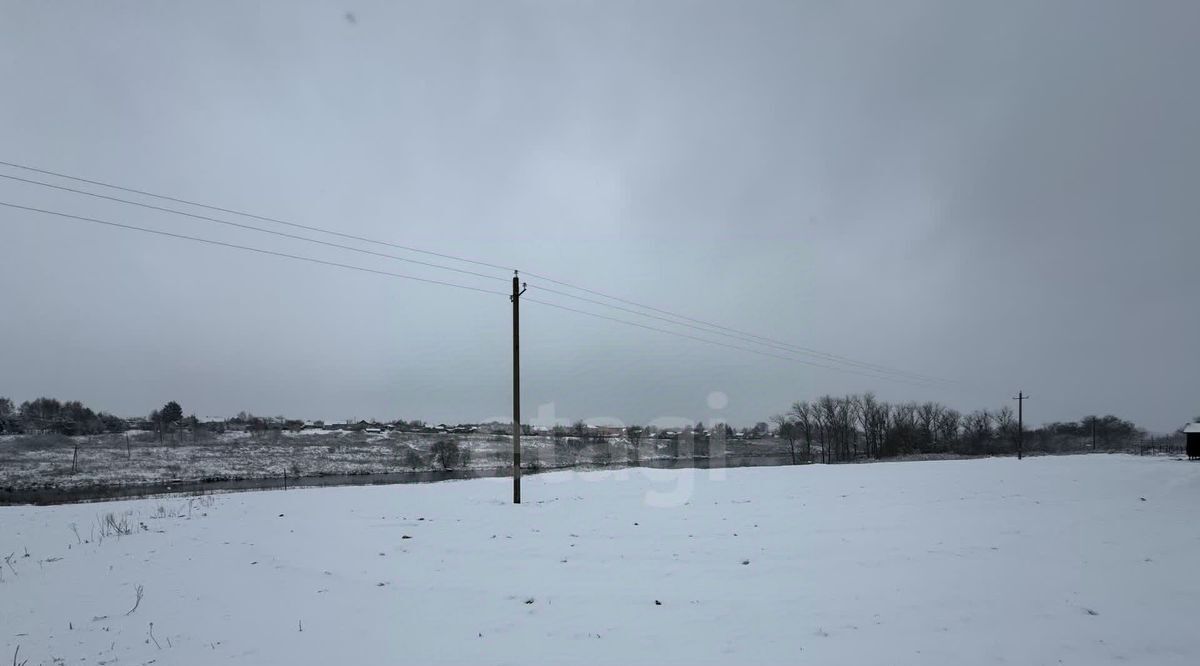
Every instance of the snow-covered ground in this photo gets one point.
(1075, 560)
(51, 461)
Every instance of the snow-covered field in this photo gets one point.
(115, 460)
(103, 461)
(1074, 560)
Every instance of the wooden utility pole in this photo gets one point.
(517, 290)
(1021, 398)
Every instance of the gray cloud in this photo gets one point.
(1002, 193)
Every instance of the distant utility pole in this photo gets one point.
(517, 290)
(1021, 398)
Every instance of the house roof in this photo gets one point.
(1192, 427)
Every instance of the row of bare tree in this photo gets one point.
(838, 429)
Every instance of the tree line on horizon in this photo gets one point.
(72, 417)
(827, 429)
(840, 429)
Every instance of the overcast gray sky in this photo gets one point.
(1002, 193)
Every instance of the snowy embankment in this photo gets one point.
(1083, 559)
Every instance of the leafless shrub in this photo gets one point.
(446, 453)
(120, 526)
(111, 525)
(137, 590)
(413, 459)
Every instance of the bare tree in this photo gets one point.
(881, 416)
(446, 453)
(821, 411)
(927, 415)
(787, 430)
(871, 415)
(977, 430)
(806, 424)
(413, 459)
(848, 433)
(902, 435)
(837, 417)
(1006, 424)
(947, 426)
(862, 416)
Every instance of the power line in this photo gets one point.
(206, 218)
(248, 248)
(264, 218)
(750, 339)
(251, 227)
(762, 340)
(717, 342)
(745, 336)
(207, 241)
